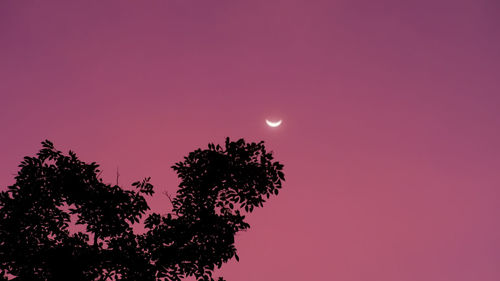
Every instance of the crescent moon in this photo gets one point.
(273, 124)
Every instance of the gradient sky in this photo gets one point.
(390, 138)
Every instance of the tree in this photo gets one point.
(218, 186)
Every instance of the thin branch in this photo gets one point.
(169, 198)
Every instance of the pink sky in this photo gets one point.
(390, 138)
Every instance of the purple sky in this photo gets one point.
(390, 109)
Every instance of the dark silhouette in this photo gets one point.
(217, 186)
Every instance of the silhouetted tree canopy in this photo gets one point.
(218, 186)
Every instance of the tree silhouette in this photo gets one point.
(218, 185)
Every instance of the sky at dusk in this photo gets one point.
(390, 135)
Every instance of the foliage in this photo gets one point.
(218, 185)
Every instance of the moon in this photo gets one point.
(273, 124)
